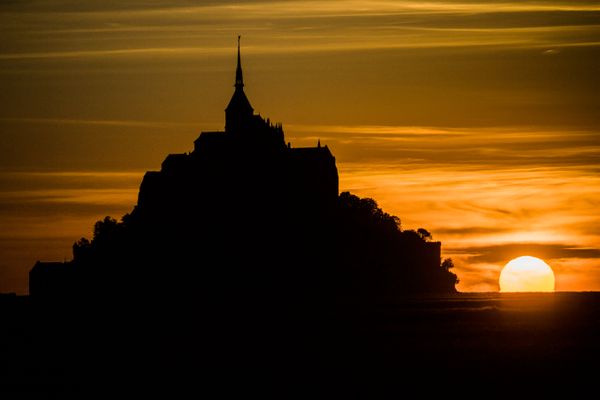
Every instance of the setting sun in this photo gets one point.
(526, 274)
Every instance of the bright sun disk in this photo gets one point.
(526, 274)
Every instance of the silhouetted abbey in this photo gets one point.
(241, 271)
(247, 217)
(247, 162)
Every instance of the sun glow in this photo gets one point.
(526, 274)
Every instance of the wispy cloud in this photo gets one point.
(502, 253)
(34, 195)
(264, 8)
(99, 122)
(69, 30)
(153, 51)
(501, 147)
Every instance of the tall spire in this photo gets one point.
(239, 78)
(238, 111)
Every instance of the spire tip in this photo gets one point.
(239, 80)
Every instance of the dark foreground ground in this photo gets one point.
(454, 345)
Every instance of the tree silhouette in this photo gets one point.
(425, 235)
(358, 248)
(81, 249)
(447, 264)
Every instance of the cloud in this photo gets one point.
(288, 8)
(108, 123)
(551, 51)
(39, 30)
(495, 147)
(473, 230)
(504, 252)
(36, 203)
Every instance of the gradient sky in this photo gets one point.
(478, 120)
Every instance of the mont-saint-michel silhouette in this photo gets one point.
(243, 271)
(248, 217)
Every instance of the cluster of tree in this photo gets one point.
(384, 258)
(355, 250)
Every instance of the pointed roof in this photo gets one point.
(239, 102)
(239, 77)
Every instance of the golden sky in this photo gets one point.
(477, 120)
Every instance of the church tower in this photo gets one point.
(239, 111)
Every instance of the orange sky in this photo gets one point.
(477, 120)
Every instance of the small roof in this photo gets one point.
(239, 102)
